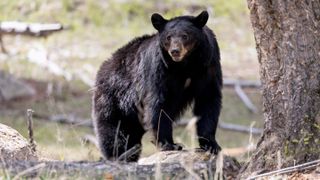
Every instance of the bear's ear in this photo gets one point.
(201, 19)
(158, 21)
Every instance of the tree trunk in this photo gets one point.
(287, 34)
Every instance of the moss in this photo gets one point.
(67, 5)
(286, 148)
(316, 125)
(295, 141)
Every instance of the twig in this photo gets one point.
(218, 175)
(188, 167)
(129, 153)
(245, 99)
(4, 170)
(88, 138)
(30, 130)
(29, 170)
(289, 169)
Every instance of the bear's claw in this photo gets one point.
(211, 146)
(171, 147)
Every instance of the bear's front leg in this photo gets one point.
(162, 129)
(207, 109)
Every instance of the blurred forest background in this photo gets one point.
(62, 66)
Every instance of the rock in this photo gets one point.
(184, 156)
(13, 146)
(12, 88)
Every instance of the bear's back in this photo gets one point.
(123, 59)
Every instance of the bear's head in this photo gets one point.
(180, 36)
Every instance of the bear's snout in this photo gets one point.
(175, 52)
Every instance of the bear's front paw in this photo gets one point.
(211, 146)
(171, 147)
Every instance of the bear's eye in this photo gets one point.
(185, 37)
(168, 37)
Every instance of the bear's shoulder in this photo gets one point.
(124, 55)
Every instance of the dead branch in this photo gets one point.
(29, 171)
(71, 119)
(242, 83)
(65, 119)
(129, 153)
(30, 29)
(30, 129)
(228, 126)
(300, 167)
(245, 99)
(239, 128)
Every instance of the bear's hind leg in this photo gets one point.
(119, 140)
(133, 131)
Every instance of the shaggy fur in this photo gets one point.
(142, 88)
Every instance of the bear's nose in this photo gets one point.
(175, 52)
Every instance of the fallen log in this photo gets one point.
(118, 170)
(239, 128)
(71, 119)
(228, 126)
(30, 29)
(65, 119)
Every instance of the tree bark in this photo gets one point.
(287, 35)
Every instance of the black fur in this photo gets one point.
(141, 88)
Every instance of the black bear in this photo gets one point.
(149, 82)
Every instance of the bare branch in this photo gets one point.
(242, 83)
(30, 129)
(245, 99)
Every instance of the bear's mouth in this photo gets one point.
(178, 56)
